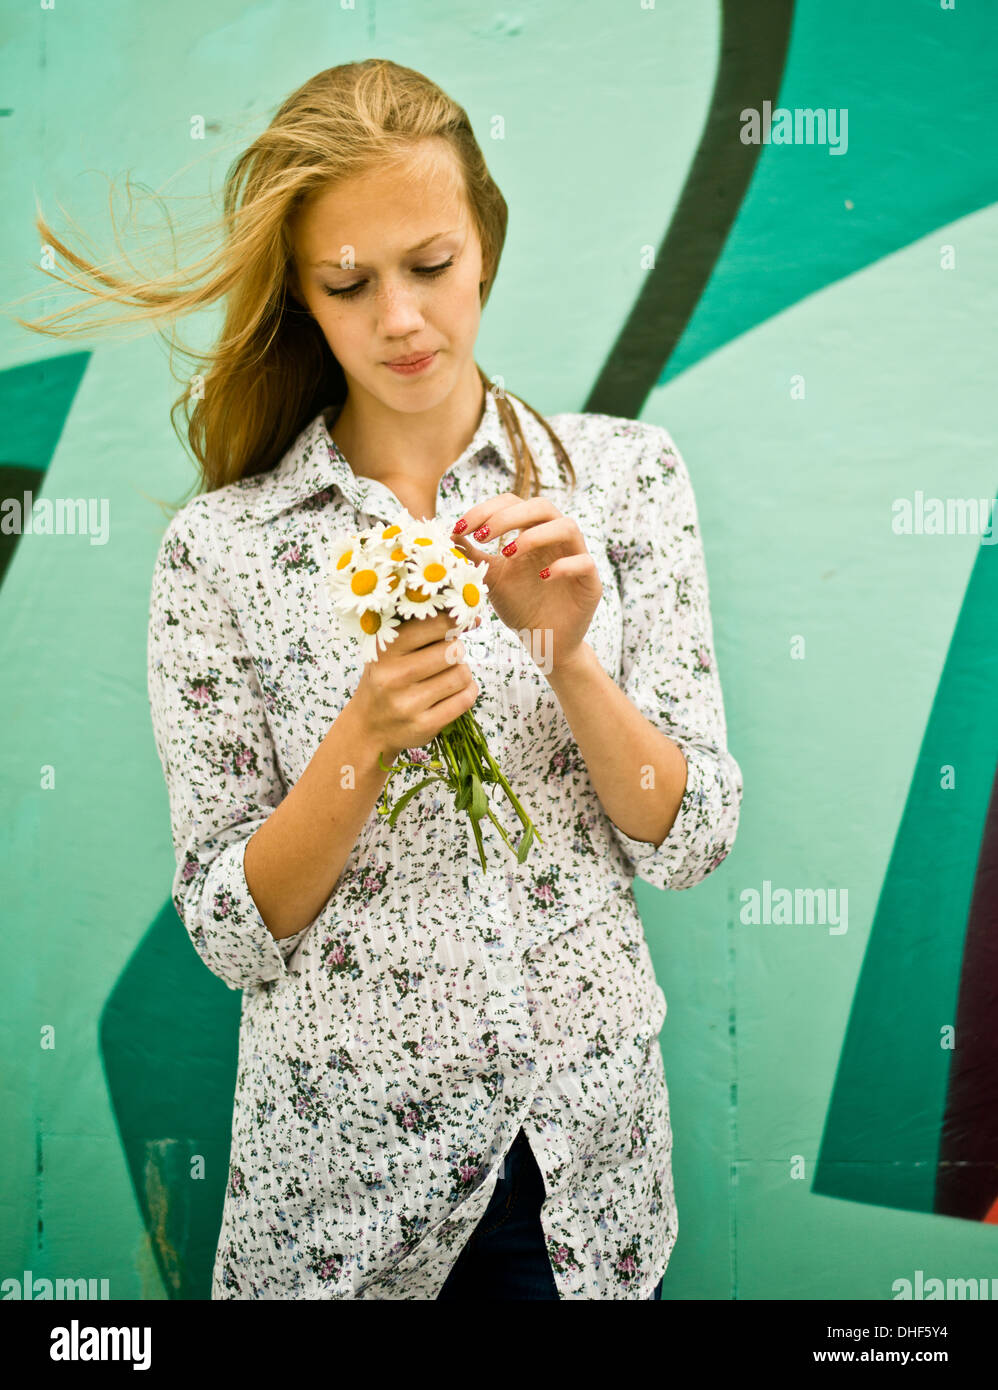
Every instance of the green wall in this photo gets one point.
(781, 264)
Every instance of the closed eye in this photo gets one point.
(430, 271)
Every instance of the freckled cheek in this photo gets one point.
(461, 316)
(343, 344)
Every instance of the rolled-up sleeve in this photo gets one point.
(214, 744)
(668, 669)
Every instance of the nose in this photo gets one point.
(399, 312)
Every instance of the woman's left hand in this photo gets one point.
(562, 604)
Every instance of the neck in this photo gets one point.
(417, 447)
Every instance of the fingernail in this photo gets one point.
(509, 549)
(481, 533)
(545, 574)
(462, 525)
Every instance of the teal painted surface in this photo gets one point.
(918, 83)
(34, 401)
(893, 1112)
(797, 520)
(794, 499)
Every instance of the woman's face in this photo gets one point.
(389, 264)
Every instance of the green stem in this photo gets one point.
(481, 749)
(509, 843)
(471, 753)
(462, 749)
(444, 741)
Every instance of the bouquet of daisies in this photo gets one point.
(377, 579)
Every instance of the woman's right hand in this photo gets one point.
(418, 684)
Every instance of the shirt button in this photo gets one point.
(506, 974)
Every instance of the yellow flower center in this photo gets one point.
(390, 531)
(398, 555)
(416, 595)
(344, 559)
(471, 594)
(422, 540)
(370, 622)
(364, 582)
(434, 572)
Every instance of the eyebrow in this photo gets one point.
(418, 247)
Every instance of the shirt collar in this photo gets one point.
(314, 464)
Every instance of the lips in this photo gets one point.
(408, 360)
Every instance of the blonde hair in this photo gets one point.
(271, 370)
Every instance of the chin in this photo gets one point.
(427, 391)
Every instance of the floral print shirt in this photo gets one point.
(390, 1050)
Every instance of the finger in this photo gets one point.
(473, 552)
(549, 535)
(470, 520)
(417, 631)
(575, 567)
(505, 513)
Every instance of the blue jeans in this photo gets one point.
(506, 1255)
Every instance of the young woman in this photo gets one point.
(450, 1084)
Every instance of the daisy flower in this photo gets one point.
(361, 580)
(372, 629)
(417, 603)
(419, 535)
(466, 595)
(426, 578)
(421, 551)
(381, 577)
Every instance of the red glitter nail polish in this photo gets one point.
(509, 549)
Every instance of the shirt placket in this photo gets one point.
(507, 1007)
